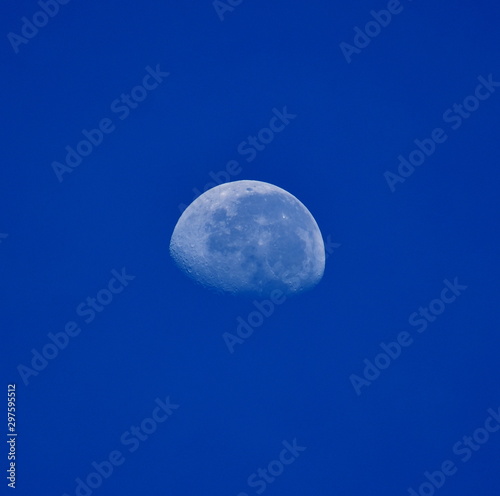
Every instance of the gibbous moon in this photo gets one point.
(249, 238)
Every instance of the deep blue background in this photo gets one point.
(163, 335)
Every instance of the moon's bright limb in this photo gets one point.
(249, 237)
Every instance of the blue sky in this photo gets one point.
(159, 100)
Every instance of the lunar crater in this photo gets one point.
(249, 237)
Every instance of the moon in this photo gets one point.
(249, 238)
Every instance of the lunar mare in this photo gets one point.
(249, 237)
